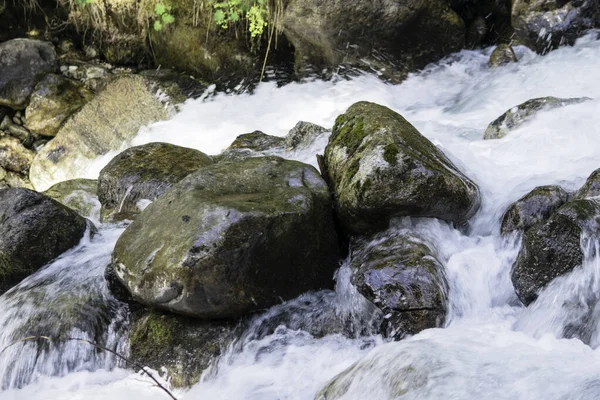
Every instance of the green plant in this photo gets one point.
(256, 13)
(83, 2)
(162, 12)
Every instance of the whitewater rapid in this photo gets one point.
(492, 347)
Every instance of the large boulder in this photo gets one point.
(553, 248)
(34, 230)
(140, 174)
(379, 166)
(547, 24)
(522, 113)
(53, 100)
(231, 238)
(22, 61)
(80, 195)
(104, 124)
(536, 206)
(181, 345)
(401, 275)
(412, 33)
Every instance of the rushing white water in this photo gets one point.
(492, 347)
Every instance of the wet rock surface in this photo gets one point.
(379, 167)
(231, 238)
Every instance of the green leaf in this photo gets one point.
(157, 26)
(159, 9)
(219, 16)
(261, 2)
(168, 19)
(234, 16)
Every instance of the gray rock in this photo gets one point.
(522, 113)
(231, 238)
(54, 99)
(303, 135)
(534, 207)
(14, 156)
(79, 195)
(401, 275)
(547, 24)
(113, 117)
(553, 248)
(591, 187)
(34, 230)
(143, 173)
(21, 62)
(502, 54)
(379, 167)
(257, 141)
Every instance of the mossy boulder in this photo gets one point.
(553, 248)
(34, 229)
(21, 63)
(401, 275)
(522, 113)
(411, 33)
(302, 135)
(536, 206)
(502, 54)
(141, 174)
(79, 195)
(104, 124)
(53, 100)
(379, 167)
(547, 24)
(14, 156)
(184, 346)
(231, 238)
(591, 187)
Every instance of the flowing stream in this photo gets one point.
(491, 348)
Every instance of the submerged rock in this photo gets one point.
(534, 207)
(547, 24)
(141, 174)
(401, 275)
(34, 229)
(502, 54)
(522, 113)
(553, 248)
(79, 195)
(53, 100)
(104, 124)
(184, 346)
(21, 62)
(231, 238)
(303, 135)
(379, 166)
